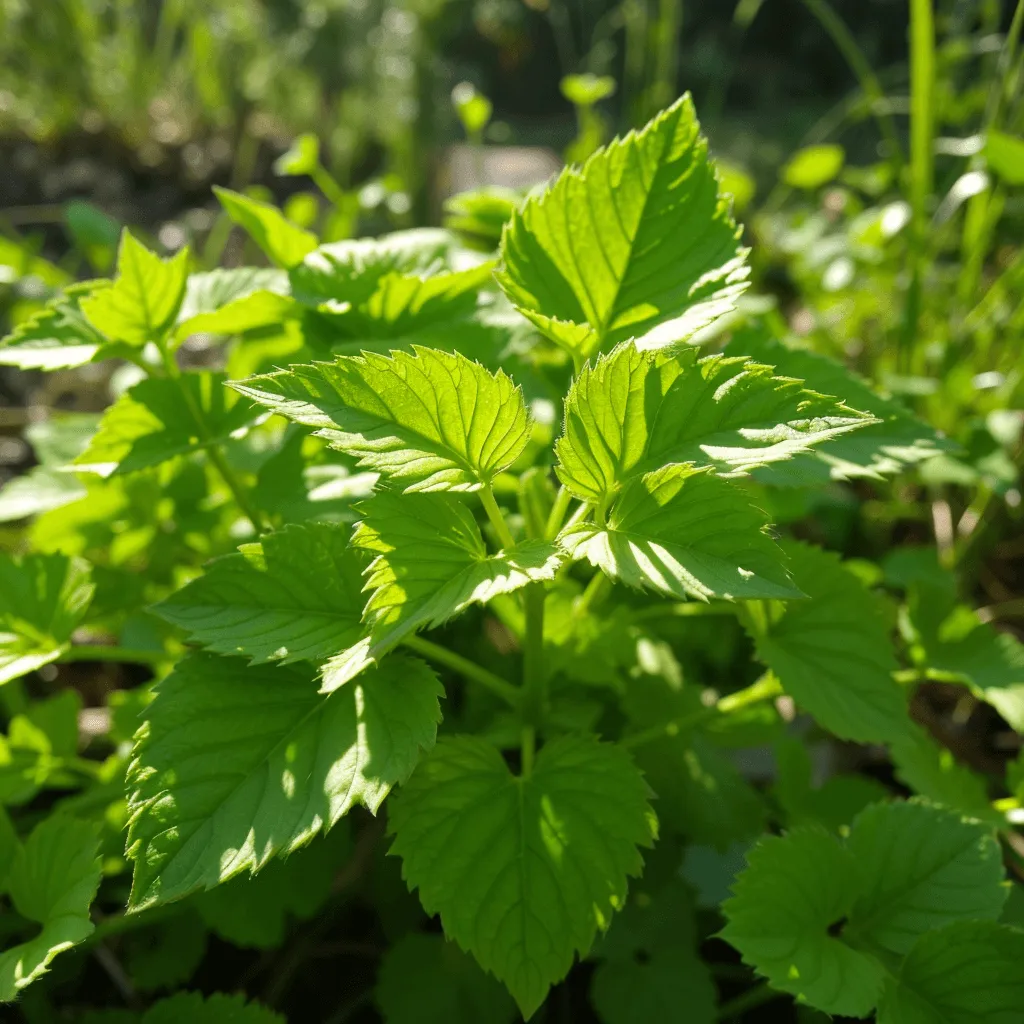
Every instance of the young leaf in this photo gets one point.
(794, 894)
(430, 420)
(922, 867)
(965, 973)
(931, 771)
(151, 423)
(524, 870)
(430, 564)
(58, 337)
(211, 291)
(52, 881)
(637, 237)
(283, 242)
(215, 1009)
(145, 298)
(687, 533)
(898, 440)
(251, 312)
(202, 809)
(953, 639)
(295, 595)
(833, 653)
(424, 979)
(42, 600)
(631, 412)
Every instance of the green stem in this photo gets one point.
(215, 455)
(324, 181)
(766, 688)
(464, 667)
(534, 696)
(753, 997)
(104, 653)
(922, 126)
(594, 593)
(496, 518)
(557, 515)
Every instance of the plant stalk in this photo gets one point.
(534, 695)
(496, 518)
(765, 688)
(464, 667)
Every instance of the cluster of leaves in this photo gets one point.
(554, 448)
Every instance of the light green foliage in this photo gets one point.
(820, 918)
(213, 290)
(524, 870)
(42, 600)
(639, 236)
(57, 337)
(814, 166)
(53, 879)
(215, 1009)
(886, 447)
(425, 980)
(954, 640)
(283, 242)
(238, 764)
(55, 442)
(429, 563)
(832, 652)
(966, 973)
(144, 299)
(631, 412)
(429, 420)
(686, 533)
(152, 422)
(295, 595)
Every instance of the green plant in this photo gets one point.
(531, 460)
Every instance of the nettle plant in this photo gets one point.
(528, 491)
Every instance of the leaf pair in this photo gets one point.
(820, 919)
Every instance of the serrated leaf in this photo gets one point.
(954, 640)
(42, 600)
(932, 771)
(429, 420)
(251, 312)
(524, 871)
(215, 1009)
(212, 290)
(637, 237)
(145, 297)
(795, 891)
(832, 652)
(898, 440)
(632, 412)
(429, 564)
(425, 980)
(52, 882)
(295, 595)
(152, 423)
(390, 287)
(58, 337)
(965, 973)
(238, 764)
(284, 243)
(921, 867)
(253, 912)
(686, 533)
